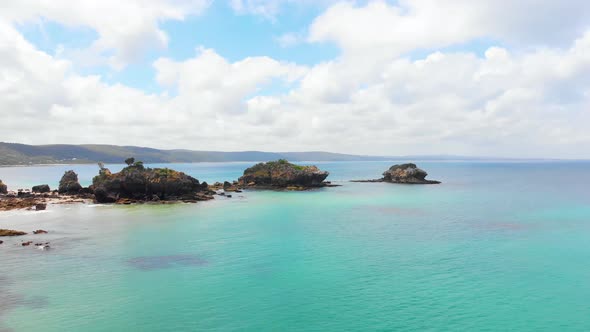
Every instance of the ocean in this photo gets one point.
(498, 246)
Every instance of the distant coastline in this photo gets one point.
(17, 155)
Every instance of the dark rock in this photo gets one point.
(9, 232)
(1, 242)
(26, 244)
(69, 183)
(138, 183)
(226, 185)
(40, 206)
(86, 190)
(282, 174)
(40, 231)
(3, 188)
(103, 196)
(24, 193)
(407, 173)
(41, 189)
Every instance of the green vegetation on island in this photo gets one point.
(283, 174)
(22, 154)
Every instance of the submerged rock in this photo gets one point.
(69, 183)
(41, 189)
(282, 174)
(137, 183)
(10, 232)
(14, 203)
(149, 263)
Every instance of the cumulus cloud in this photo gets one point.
(380, 27)
(213, 85)
(510, 101)
(126, 29)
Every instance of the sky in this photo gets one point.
(496, 78)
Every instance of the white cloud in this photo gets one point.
(383, 28)
(211, 83)
(523, 101)
(126, 29)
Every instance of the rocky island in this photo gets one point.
(133, 184)
(136, 183)
(139, 184)
(405, 174)
(281, 174)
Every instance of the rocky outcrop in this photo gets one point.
(3, 188)
(41, 189)
(282, 174)
(69, 183)
(15, 203)
(9, 232)
(407, 173)
(404, 173)
(137, 183)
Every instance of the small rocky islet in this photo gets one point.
(404, 174)
(282, 174)
(139, 184)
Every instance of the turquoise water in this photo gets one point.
(496, 247)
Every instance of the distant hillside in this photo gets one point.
(22, 154)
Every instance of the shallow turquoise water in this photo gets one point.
(496, 247)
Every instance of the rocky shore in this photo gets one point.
(139, 184)
(281, 174)
(27, 242)
(404, 174)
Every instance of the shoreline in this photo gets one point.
(491, 160)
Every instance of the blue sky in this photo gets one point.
(488, 78)
(233, 34)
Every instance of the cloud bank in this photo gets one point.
(406, 82)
